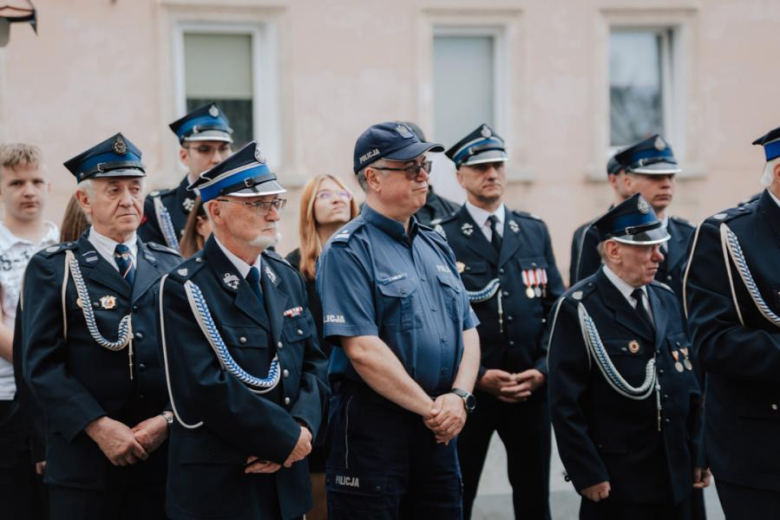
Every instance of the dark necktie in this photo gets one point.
(124, 261)
(639, 296)
(253, 279)
(495, 237)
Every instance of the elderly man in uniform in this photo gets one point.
(624, 400)
(247, 379)
(649, 168)
(732, 281)
(407, 350)
(90, 353)
(507, 264)
(205, 140)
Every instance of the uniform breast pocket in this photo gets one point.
(629, 357)
(398, 305)
(533, 276)
(297, 329)
(451, 288)
(245, 337)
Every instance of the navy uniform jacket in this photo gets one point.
(178, 201)
(206, 478)
(525, 246)
(435, 209)
(75, 380)
(604, 436)
(737, 346)
(585, 258)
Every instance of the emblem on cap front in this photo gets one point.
(259, 157)
(119, 147)
(213, 111)
(659, 144)
(404, 131)
(486, 131)
(643, 206)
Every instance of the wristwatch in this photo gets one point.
(168, 416)
(469, 401)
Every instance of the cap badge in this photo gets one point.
(213, 111)
(643, 206)
(119, 147)
(513, 226)
(404, 131)
(486, 131)
(659, 144)
(467, 229)
(230, 280)
(461, 266)
(259, 157)
(108, 302)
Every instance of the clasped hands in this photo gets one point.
(123, 445)
(511, 388)
(446, 418)
(301, 451)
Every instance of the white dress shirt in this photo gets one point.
(242, 267)
(481, 216)
(626, 290)
(107, 246)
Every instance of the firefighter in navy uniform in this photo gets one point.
(247, 379)
(90, 352)
(506, 261)
(205, 137)
(650, 169)
(624, 400)
(732, 284)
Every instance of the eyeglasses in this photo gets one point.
(329, 194)
(261, 207)
(412, 172)
(205, 149)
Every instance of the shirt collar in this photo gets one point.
(8, 239)
(665, 222)
(622, 286)
(107, 246)
(480, 216)
(241, 266)
(777, 201)
(392, 227)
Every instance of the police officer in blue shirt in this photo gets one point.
(406, 348)
(90, 352)
(247, 380)
(650, 169)
(205, 137)
(732, 282)
(624, 399)
(507, 264)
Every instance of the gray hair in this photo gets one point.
(88, 186)
(361, 175)
(769, 172)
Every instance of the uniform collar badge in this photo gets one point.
(52, 249)
(513, 226)
(188, 204)
(467, 229)
(107, 302)
(231, 280)
(271, 274)
(90, 257)
(183, 271)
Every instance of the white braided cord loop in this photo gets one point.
(596, 349)
(203, 316)
(125, 333)
(738, 257)
(485, 293)
(166, 224)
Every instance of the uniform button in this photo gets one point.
(661, 371)
(501, 270)
(96, 305)
(667, 421)
(300, 332)
(509, 318)
(666, 396)
(774, 407)
(142, 396)
(669, 277)
(287, 400)
(506, 293)
(533, 264)
(279, 344)
(199, 260)
(285, 373)
(139, 335)
(141, 367)
(624, 349)
(135, 308)
(242, 340)
(511, 343)
(468, 268)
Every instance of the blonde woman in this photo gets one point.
(326, 205)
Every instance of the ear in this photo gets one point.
(214, 211)
(776, 171)
(184, 157)
(612, 251)
(83, 199)
(461, 178)
(372, 179)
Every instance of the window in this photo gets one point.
(640, 92)
(218, 67)
(464, 82)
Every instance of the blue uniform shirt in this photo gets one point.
(375, 280)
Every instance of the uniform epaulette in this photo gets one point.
(684, 222)
(59, 248)
(581, 290)
(273, 255)
(662, 285)
(525, 214)
(161, 193)
(161, 248)
(343, 235)
(732, 213)
(448, 219)
(188, 268)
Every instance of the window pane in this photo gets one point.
(218, 67)
(635, 85)
(463, 80)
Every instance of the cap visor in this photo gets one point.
(413, 151)
(209, 135)
(489, 156)
(126, 172)
(266, 188)
(660, 168)
(645, 238)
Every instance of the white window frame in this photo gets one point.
(265, 113)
